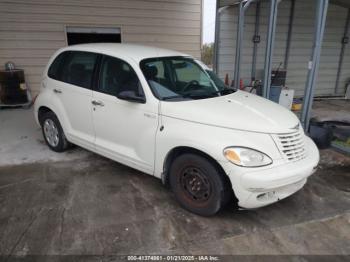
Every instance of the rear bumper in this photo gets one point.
(260, 187)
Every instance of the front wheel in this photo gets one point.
(197, 184)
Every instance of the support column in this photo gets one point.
(243, 6)
(269, 47)
(320, 23)
(239, 42)
(289, 36)
(217, 38)
(256, 39)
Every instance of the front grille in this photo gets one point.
(291, 145)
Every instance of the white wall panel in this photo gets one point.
(32, 30)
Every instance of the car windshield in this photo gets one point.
(181, 78)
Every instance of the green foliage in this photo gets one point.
(208, 54)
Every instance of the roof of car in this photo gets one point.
(134, 51)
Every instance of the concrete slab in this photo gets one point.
(21, 140)
(331, 110)
(100, 207)
(78, 203)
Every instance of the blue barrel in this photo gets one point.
(275, 92)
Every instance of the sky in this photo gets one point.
(209, 21)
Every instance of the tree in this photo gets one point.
(208, 54)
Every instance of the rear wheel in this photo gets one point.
(198, 185)
(53, 132)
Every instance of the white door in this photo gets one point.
(125, 130)
(73, 87)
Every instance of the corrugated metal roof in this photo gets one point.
(344, 3)
(227, 2)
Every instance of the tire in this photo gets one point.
(53, 132)
(198, 185)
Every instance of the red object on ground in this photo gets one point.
(227, 80)
(241, 87)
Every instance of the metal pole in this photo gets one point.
(217, 38)
(289, 36)
(243, 6)
(342, 52)
(269, 47)
(239, 42)
(256, 39)
(320, 22)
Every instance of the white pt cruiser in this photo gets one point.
(165, 114)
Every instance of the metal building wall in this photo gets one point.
(336, 20)
(32, 30)
(301, 44)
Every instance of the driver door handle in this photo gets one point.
(57, 91)
(97, 103)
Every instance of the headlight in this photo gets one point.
(246, 157)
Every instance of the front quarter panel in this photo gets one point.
(211, 140)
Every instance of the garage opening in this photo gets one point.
(84, 35)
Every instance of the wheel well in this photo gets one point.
(174, 153)
(42, 111)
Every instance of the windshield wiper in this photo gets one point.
(191, 96)
(224, 91)
(201, 95)
(174, 96)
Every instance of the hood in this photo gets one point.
(240, 110)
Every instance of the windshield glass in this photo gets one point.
(181, 78)
(217, 81)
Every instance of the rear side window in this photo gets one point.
(56, 66)
(74, 67)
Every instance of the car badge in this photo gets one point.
(296, 127)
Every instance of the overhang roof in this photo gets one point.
(344, 3)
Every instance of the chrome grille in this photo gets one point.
(291, 145)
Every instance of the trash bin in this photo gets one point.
(321, 134)
(13, 89)
(275, 92)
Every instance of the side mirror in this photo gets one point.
(131, 96)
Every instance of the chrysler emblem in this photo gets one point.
(296, 127)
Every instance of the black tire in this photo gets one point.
(213, 192)
(62, 143)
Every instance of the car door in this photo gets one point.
(73, 88)
(125, 130)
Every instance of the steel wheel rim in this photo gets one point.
(195, 184)
(51, 132)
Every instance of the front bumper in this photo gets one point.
(257, 187)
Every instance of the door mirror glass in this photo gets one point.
(131, 96)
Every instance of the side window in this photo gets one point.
(55, 68)
(78, 68)
(117, 76)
